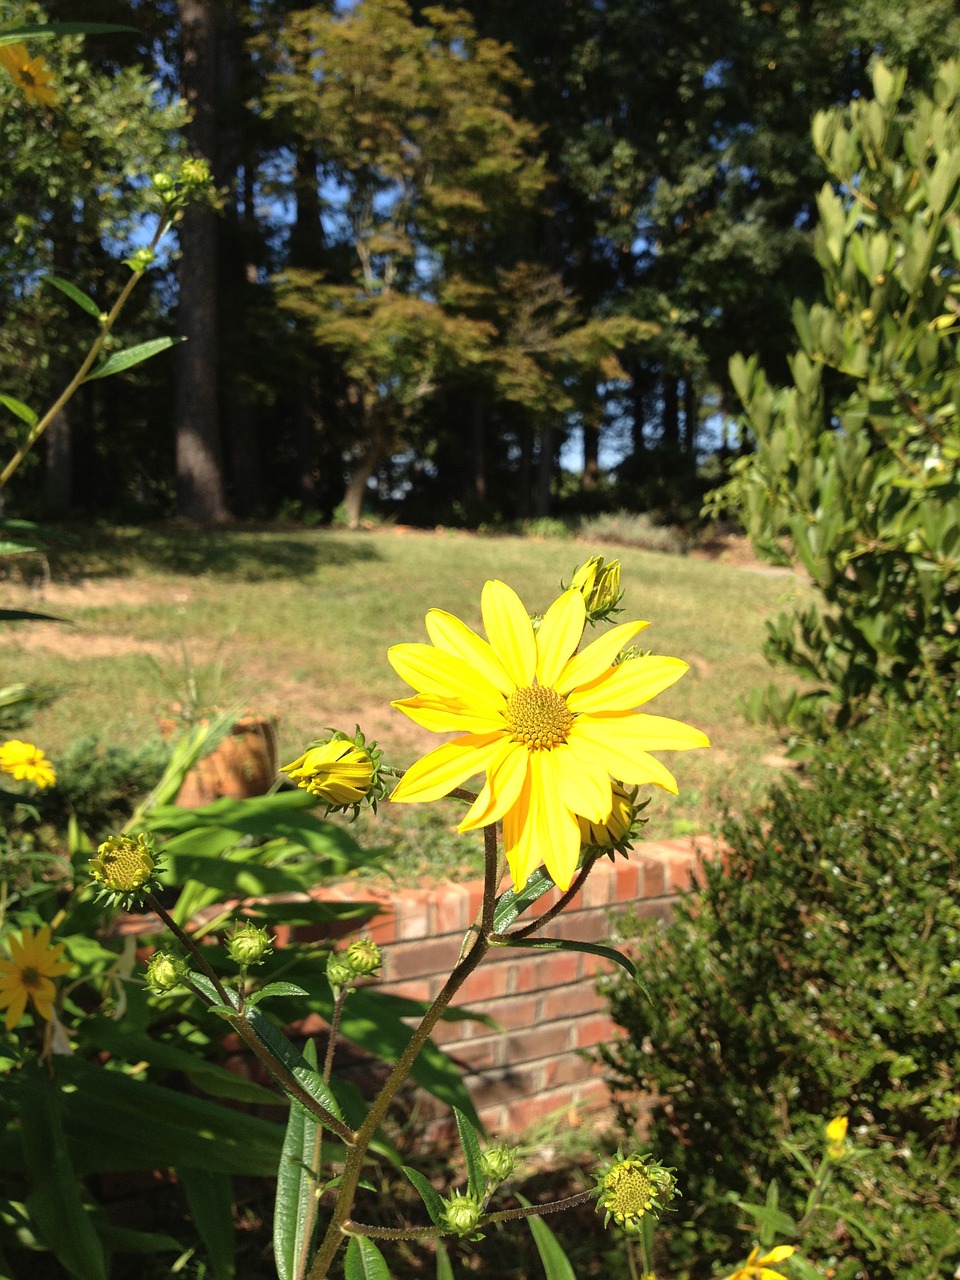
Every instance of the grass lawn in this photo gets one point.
(296, 623)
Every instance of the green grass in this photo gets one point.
(297, 623)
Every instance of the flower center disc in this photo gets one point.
(539, 717)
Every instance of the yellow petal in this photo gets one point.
(559, 634)
(505, 779)
(433, 671)
(454, 636)
(779, 1254)
(597, 657)
(519, 845)
(509, 631)
(584, 786)
(557, 831)
(628, 685)
(443, 715)
(440, 771)
(660, 733)
(610, 743)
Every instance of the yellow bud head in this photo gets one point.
(461, 1213)
(124, 864)
(632, 1187)
(339, 772)
(498, 1163)
(364, 957)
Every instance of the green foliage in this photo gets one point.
(816, 974)
(855, 471)
(629, 529)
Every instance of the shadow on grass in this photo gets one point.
(241, 553)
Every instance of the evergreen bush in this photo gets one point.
(816, 973)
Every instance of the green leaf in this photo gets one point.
(295, 1208)
(444, 1269)
(275, 989)
(471, 1150)
(555, 1264)
(364, 1261)
(210, 1197)
(23, 411)
(122, 360)
(83, 301)
(428, 1194)
(306, 1076)
(803, 1269)
(771, 1220)
(54, 1202)
(512, 904)
(49, 30)
(570, 944)
(27, 615)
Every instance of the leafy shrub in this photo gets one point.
(101, 786)
(817, 972)
(631, 529)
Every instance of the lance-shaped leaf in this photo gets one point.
(364, 1261)
(556, 1266)
(49, 30)
(428, 1194)
(122, 360)
(570, 944)
(210, 1197)
(471, 1150)
(295, 1208)
(23, 411)
(83, 300)
(512, 904)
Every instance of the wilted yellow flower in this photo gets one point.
(547, 725)
(29, 973)
(756, 1268)
(836, 1135)
(26, 762)
(31, 75)
(338, 772)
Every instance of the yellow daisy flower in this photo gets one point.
(31, 75)
(755, 1267)
(26, 762)
(547, 725)
(29, 974)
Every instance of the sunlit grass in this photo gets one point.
(297, 623)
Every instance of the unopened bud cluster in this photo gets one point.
(165, 972)
(461, 1215)
(361, 959)
(192, 180)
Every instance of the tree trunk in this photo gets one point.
(544, 470)
(691, 416)
(375, 449)
(670, 419)
(477, 435)
(200, 492)
(58, 475)
(591, 452)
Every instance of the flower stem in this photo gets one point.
(106, 325)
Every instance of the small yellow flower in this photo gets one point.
(756, 1268)
(547, 725)
(124, 864)
(836, 1135)
(632, 1187)
(26, 762)
(31, 75)
(29, 973)
(338, 772)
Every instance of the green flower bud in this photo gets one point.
(249, 945)
(599, 584)
(140, 259)
(363, 956)
(498, 1163)
(339, 973)
(461, 1213)
(195, 172)
(165, 971)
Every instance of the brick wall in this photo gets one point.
(546, 1006)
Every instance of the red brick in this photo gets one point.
(488, 982)
(413, 914)
(629, 881)
(682, 871)
(594, 1030)
(654, 876)
(518, 1011)
(477, 1056)
(570, 1068)
(539, 1042)
(598, 891)
(550, 969)
(449, 909)
(416, 958)
(570, 1002)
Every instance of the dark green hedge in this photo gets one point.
(817, 972)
